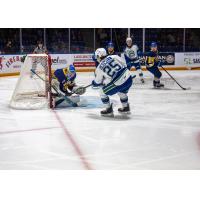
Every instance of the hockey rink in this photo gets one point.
(161, 133)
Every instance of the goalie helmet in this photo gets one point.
(128, 41)
(71, 69)
(100, 53)
(71, 72)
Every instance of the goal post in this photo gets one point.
(31, 92)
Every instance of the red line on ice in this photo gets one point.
(27, 130)
(73, 142)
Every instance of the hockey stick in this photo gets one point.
(66, 98)
(132, 76)
(116, 40)
(183, 88)
(87, 86)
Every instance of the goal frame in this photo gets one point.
(45, 80)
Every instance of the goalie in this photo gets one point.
(63, 80)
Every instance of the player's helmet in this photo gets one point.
(128, 41)
(100, 53)
(153, 45)
(110, 45)
(110, 48)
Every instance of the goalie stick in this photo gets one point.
(66, 98)
(183, 88)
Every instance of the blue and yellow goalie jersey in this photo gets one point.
(65, 77)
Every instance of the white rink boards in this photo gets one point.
(161, 132)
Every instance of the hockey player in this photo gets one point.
(113, 77)
(132, 58)
(95, 60)
(110, 48)
(152, 63)
(64, 81)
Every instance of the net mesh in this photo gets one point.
(31, 92)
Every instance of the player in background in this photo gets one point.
(132, 58)
(64, 81)
(152, 63)
(112, 77)
(110, 48)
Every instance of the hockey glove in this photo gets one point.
(79, 90)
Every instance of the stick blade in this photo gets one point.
(189, 88)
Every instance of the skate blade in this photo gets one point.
(125, 113)
(158, 88)
(107, 115)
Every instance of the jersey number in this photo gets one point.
(111, 68)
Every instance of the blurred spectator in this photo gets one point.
(40, 48)
(9, 49)
(82, 40)
(57, 40)
(102, 37)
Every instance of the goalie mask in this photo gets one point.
(100, 54)
(71, 72)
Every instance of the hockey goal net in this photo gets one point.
(33, 89)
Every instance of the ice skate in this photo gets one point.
(158, 85)
(124, 110)
(108, 112)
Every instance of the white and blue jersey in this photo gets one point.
(113, 74)
(131, 56)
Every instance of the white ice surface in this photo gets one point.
(161, 132)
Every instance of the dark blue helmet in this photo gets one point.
(153, 44)
(110, 45)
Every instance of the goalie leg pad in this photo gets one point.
(60, 102)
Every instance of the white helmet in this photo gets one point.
(128, 41)
(99, 53)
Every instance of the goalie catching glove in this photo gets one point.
(79, 90)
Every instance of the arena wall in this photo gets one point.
(11, 64)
